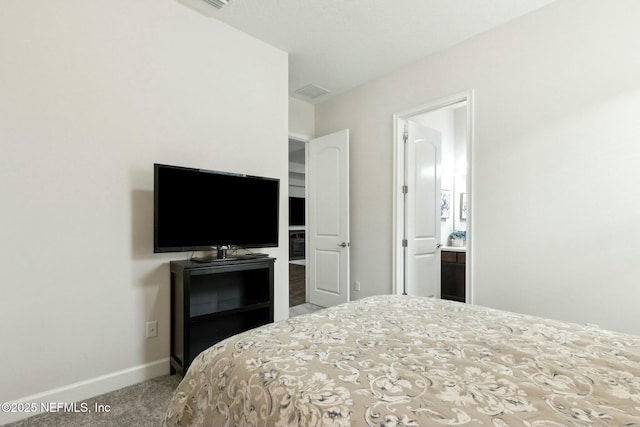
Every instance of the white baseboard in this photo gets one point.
(83, 390)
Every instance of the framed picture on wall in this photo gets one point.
(463, 206)
(445, 204)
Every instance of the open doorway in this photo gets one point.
(297, 222)
(319, 248)
(446, 266)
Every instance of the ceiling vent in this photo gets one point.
(219, 4)
(312, 91)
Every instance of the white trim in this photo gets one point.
(399, 121)
(87, 389)
(436, 105)
(305, 139)
(299, 137)
(398, 175)
(470, 265)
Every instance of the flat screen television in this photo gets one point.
(296, 211)
(197, 209)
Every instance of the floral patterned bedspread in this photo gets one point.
(413, 361)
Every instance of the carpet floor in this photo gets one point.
(305, 308)
(139, 405)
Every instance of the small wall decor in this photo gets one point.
(444, 204)
(463, 206)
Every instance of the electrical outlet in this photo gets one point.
(152, 329)
(357, 287)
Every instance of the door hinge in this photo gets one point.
(405, 189)
(404, 243)
(405, 136)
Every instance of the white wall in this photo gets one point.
(301, 127)
(555, 161)
(91, 95)
(460, 164)
(301, 118)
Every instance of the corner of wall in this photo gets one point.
(301, 118)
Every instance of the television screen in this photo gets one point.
(196, 209)
(296, 210)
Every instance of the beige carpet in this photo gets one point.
(305, 308)
(139, 405)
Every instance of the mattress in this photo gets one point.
(413, 361)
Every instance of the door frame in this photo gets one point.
(399, 120)
(304, 139)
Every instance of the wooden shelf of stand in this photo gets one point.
(213, 301)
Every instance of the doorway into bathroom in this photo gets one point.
(432, 201)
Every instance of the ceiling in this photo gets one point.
(340, 44)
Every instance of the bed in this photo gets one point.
(413, 361)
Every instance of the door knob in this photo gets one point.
(439, 245)
(343, 244)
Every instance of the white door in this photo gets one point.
(328, 213)
(422, 254)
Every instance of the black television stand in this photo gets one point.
(210, 302)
